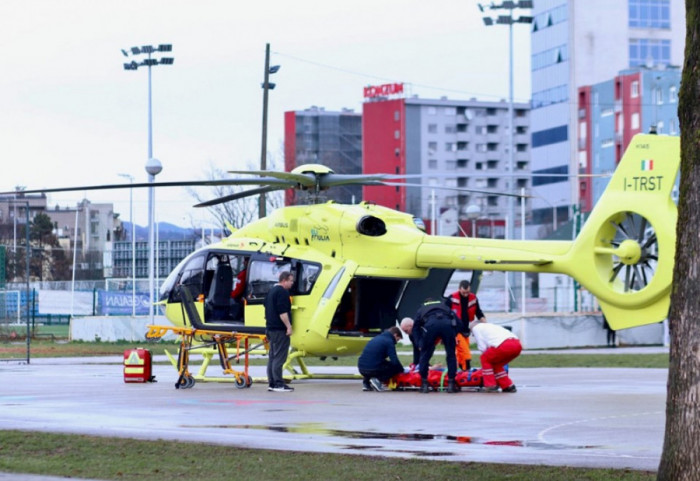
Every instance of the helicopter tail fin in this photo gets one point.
(625, 251)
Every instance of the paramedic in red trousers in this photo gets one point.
(435, 321)
(498, 347)
(466, 307)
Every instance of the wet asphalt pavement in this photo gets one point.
(603, 418)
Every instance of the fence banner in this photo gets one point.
(119, 303)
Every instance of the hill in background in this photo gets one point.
(167, 232)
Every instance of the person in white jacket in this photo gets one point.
(498, 347)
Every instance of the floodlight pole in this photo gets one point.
(510, 165)
(153, 166)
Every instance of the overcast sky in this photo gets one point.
(71, 115)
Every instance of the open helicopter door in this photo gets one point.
(418, 290)
(329, 311)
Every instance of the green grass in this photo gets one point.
(592, 360)
(537, 360)
(48, 348)
(81, 456)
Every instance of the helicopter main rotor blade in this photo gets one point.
(239, 195)
(459, 189)
(333, 180)
(188, 183)
(307, 180)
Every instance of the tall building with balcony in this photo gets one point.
(576, 44)
(451, 145)
(88, 228)
(331, 138)
(610, 113)
(93, 227)
(13, 209)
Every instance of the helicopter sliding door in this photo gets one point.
(334, 308)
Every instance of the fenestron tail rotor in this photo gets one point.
(625, 252)
(634, 252)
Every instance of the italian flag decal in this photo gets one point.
(647, 164)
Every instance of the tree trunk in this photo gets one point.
(680, 459)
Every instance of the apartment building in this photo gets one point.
(574, 44)
(451, 145)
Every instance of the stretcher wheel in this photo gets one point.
(241, 382)
(185, 382)
(249, 381)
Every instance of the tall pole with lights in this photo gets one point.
(509, 20)
(153, 166)
(266, 86)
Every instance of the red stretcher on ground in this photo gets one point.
(437, 378)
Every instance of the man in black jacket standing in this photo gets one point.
(378, 362)
(278, 329)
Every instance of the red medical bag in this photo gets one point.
(137, 365)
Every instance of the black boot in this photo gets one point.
(452, 386)
(424, 386)
(469, 364)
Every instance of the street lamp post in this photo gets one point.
(153, 166)
(473, 213)
(133, 243)
(266, 86)
(509, 20)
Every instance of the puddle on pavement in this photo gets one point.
(319, 429)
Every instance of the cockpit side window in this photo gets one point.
(193, 275)
(187, 272)
(307, 274)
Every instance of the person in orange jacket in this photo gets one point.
(466, 307)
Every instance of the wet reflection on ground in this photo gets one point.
(317, 429)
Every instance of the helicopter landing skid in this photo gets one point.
(303, 371)
(211, 339)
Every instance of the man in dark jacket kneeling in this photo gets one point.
(378, 362)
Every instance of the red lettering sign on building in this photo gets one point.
(385, 90)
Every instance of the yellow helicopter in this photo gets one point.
(359, 268)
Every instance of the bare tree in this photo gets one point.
(680, 460)
(242, 211)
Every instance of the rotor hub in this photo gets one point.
(629, 252)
